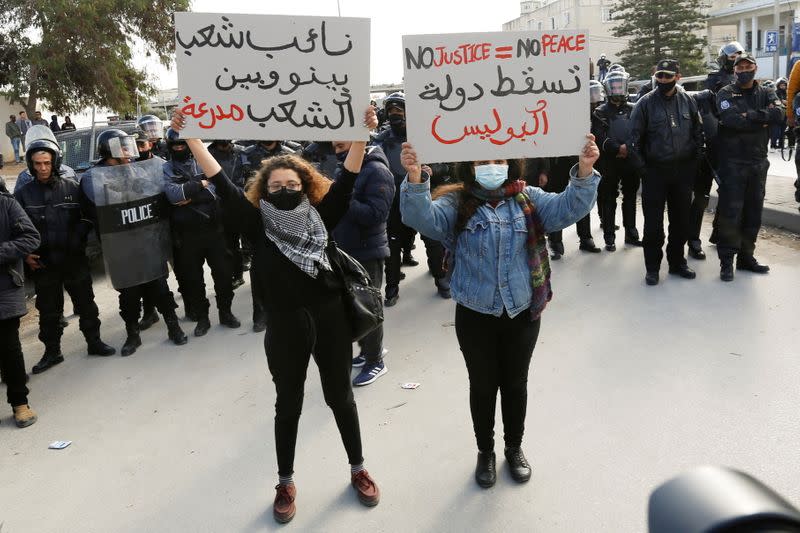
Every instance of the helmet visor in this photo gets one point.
(153, 128)
(123, 148)
(616, 86)
(596, 94)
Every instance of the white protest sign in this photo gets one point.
(499, 95)
(272, 77)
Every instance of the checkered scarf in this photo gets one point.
(299, 234)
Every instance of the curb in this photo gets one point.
(771, 216)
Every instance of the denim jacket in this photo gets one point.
(490, 267)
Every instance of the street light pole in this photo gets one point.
(776, 55)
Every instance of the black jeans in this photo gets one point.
(669, 184)
(50, 283)
(372, 345)
(156, 291)
(700, 196)
(12, 363)
(607, 194)
(401, 238)
(497, 351)
(741, 201)
(291, 337)
(192, 250)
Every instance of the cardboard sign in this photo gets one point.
(499, 95)
(272, 77)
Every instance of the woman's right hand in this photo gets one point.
(408, 158)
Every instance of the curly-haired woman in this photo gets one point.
(287, 213)
(495, 227)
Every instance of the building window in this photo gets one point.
(539, 25)
(565, 17)
(552, 23)
(606, 14)
(748, 40)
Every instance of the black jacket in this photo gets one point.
(744, 119)
(707, 107)
(233, 162)
(362, 231)
(18, 238)
(665, 129)
(611, 127)
(182, 182)
(256, 153)
(58, 211)
(282, 284)
(321, 155)
(718, 79)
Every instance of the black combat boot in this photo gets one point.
(174, 331)
(226, 318)
(133, 341)
(726, 268)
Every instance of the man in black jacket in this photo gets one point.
(611, 126)
(18, 239)
(362, 234)
(56, 206)
(666, 142)
(746, 110)
(197, 237)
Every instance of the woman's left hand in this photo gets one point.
(370, 118)
(589, 156)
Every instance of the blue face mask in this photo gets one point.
(490, 177)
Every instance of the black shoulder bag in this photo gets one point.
(363, 302)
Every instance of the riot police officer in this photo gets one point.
(666, 142)
(153, 128)
(56, 206)
(727, 55)
(26, 176)
(611, 126)
(746, 110)
(116, 149)
(197, 236)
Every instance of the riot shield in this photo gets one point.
(133, 218)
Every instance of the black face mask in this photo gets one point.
(743, 78)
(341, 156)
(285, 199)
(666, 87)
(397, 122)
(181, 155)
(144, 155)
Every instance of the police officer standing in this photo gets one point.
(56, 206)
(746, 111)
(197, 236)
(611, 126)
(666, 141)
(116, 148)
(718, 79)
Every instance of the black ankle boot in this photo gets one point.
(148, 319)
(486, 469)
(132, 342)
(226, 318)
(98, 347)
(517, 464)
(174, 331)
(202, 327)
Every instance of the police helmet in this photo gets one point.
(116, 144)
(41, 143)
(616, 67)
(596, 93)
(397, 99)
(768, 84)
(616, 84)
(781, 80)
(173, 138)
(732, 48)
(152, 126)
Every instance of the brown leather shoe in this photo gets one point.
(24, 416)
(283, 509)
(368, 492)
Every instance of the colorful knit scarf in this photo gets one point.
(538, 258)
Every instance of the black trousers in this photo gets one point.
(50, 283)
(372, 345)
(156, 291)
(291, 338)
(497, 352)
(232, 240)
(741, 201)
(193, 248)
(615, 176)
(435, 252)
(584, 231)
(12, 363)
(700, 197)
(671, 185)
(401, 238)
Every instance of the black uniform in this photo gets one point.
(611, 126)
(197, 237)
(235, 163)
(666, 142)
(718, 79)
(256, 153)
(321, 155)
(745, 116)
(57, 210)
(707, 168)
(557, 181)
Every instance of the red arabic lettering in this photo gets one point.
(540, 126)
(216, 113)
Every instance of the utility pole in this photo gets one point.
(776, 55)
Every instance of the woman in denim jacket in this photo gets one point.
(495, 226)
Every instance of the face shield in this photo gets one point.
(123, 148)
(153, 128)
(596, 95)
(616, 85)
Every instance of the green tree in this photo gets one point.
(77, 53)
(659, 29)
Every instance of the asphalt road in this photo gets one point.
(630, 385)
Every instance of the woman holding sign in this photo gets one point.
(287, 214)
(495, 226)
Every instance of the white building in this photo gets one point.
(596, 17)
